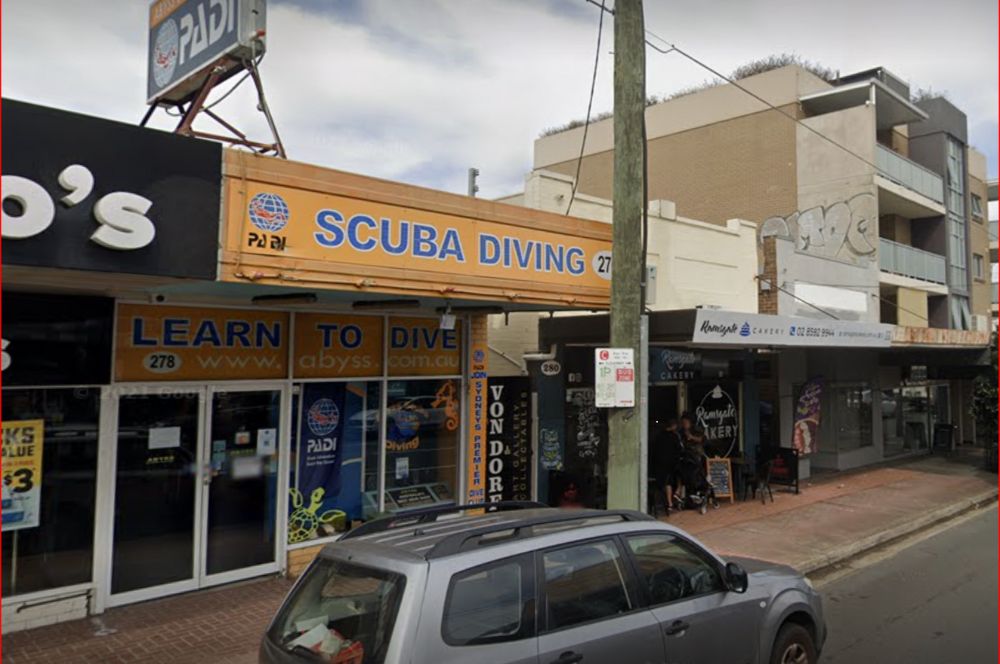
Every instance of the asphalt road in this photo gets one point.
(932, 602)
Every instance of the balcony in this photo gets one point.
(907, 188)
(906, 261)
(910, 174)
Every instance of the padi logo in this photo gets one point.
(745, 330)
(708, 327)
(268, 212)
(165, 50)
(323, 417)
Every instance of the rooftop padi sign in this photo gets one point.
(739, 329)
(186, 36)
(299, 224)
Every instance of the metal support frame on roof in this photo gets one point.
(197, 104)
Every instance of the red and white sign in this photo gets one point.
(614, 375)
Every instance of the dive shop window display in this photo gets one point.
(338, 422)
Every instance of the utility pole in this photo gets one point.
(627, 261)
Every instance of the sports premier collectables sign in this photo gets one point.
(188, 38)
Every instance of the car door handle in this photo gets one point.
(676, 627)
(569, 657)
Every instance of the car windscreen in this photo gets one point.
(340, 612)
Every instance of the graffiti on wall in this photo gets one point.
(846, 230)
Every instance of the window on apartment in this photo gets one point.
(977, 207)
(978, 266)
(956, 178)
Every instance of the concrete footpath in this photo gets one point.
(834, 518)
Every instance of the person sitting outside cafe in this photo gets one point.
(665, 457)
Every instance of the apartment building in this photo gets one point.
(869, 205)
(991, 189)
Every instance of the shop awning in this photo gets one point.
(727, 329)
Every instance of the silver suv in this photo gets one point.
(522, 584)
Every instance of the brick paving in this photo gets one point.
(222, 625)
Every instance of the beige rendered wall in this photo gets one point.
(827, 173)
(780, 87)
(911, 307)
(696, 263)
(979, 239)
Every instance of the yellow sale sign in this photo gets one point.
(23, 442)
(157, 343)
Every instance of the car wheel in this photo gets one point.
(794, 645)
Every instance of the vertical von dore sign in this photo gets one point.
(508, 440)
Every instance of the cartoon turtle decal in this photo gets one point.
(304, 522)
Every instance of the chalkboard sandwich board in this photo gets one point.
(720, 474)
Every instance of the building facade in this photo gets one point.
(214, 361)
(867, 204)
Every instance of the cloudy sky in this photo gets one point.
(419, 90)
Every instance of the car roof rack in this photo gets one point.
(431, 514)
(521, 529)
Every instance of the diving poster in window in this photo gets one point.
(23, 441)
(318, 480)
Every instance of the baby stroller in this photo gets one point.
(698, 491)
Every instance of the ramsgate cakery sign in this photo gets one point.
(312, 225)
(91, 194)
(738, 329)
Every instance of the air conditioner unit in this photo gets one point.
(981, 323)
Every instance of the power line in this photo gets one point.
(590, 105)
(674, 49)
(794, 296)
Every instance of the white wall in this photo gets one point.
(697, 264)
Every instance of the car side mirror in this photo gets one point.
(736, 578)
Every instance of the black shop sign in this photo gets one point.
(90, 194)
(56, 339)
(716, 410)
(508, 443)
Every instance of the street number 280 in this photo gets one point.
(601, 264)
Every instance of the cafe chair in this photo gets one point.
(761, 481)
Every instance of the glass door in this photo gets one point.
(196, 491)
(156, 498)
(240, 483)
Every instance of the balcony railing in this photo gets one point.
(911, 175)
(911, 262)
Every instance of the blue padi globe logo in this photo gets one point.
(323, 417)
(165, 50)
(745, 330)
(268, 212)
